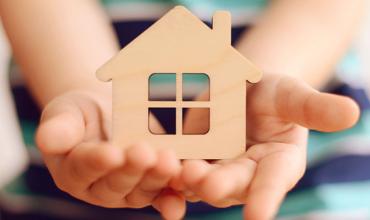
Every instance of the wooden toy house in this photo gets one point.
(179, 43)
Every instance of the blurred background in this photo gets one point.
(27, 191)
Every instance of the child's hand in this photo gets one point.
(73, 138)
(279, 111)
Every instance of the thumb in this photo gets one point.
(61, 127)
(297, 102)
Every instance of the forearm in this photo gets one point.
(59, 44)
(303, 38)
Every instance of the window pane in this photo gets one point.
(195, 86)
(162, 87)
(195, 120)
(167, 119)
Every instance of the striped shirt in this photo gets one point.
(332, 158)
(335, 186)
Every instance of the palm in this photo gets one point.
(279, 111)
(74, 136)
(266, 118)
(97, 114)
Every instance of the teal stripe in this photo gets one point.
(321, 144)
(28, 131)
(200, 78)
(329, 198)
(120, 2)
(18, 187)
(167, 78)
(350, 64)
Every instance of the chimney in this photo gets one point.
(221, 25)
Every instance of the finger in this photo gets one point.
(197, 121)
(84, 165)
(156, 179)
(191, 197)
(155, 126)
(193, 173)
(62, 127)
(170, 204)
(297, 102)
(228, 181)
(279, 168)
(176, 183)
(117, 184)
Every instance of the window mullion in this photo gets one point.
(178, 104)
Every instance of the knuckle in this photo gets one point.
(114, 185)
(76, 173)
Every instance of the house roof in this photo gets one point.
(173, 37)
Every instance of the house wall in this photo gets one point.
(225, 139)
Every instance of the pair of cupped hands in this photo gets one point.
(75, 130)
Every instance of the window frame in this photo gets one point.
(179, 103)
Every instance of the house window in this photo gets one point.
(172, 96)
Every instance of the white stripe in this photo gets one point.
(240, 17)
(13, 156)
(136, 11)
